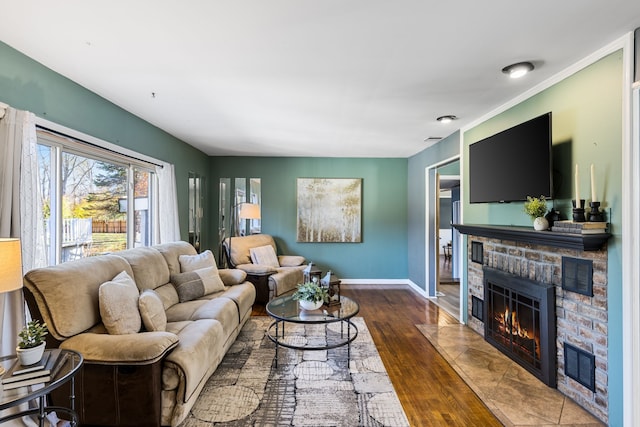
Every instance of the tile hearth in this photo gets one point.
(515, 396)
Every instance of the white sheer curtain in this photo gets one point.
(168, 229)
(20, 210)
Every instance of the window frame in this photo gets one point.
(63, 140)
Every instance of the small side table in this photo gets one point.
(261, 283)
(309, 275)
(72, 363)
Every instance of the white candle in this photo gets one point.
(593, 183)
(578, 204)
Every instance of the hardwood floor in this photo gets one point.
(431, 392)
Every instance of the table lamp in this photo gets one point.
(10, 268)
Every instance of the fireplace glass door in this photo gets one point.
(514, 323)
(520, 321)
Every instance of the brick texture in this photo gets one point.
(580, 320)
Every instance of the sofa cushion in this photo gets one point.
(256, 268)
(232, 276)
(286, 279)
(264, 255)
(152, 311)
(194, 284)
(59, 304)
(291, 260)
(196, 262)
(172, 251)
(197, 354)
(240, 246)
(221, 309)
(129, 349)
(149, 267)
(167, 294)
(118, 299)
(244, 295)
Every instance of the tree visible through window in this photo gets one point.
(85, 204)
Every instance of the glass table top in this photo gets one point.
(70, 361)
(287, 309)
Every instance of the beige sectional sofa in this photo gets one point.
(277, 274)
(151, 374)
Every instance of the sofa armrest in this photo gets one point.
(130, 349)
(256, 268)
(290, 260)
(232, 276)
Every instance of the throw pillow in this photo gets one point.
(118, 303)
(194, 284)
(152, 311)
(196, 262)
(264, 255)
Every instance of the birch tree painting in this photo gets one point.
(329, 210)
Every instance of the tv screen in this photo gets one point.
(512, 164)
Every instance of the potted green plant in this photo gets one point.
(31, 342)
(311, 295)
(536, 208)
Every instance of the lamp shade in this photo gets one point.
(10, 265)
(249, 211)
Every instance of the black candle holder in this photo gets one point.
(578, 213)
(595, 215)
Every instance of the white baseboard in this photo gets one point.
(374, 281)
(386, 282)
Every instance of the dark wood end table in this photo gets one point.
(261, 283)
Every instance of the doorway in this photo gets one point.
(444, 263)
(448, 283)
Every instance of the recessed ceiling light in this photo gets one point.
(446, 119)
(518, 70)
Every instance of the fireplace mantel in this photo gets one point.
(582, 242)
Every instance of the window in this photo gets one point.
(84, 194)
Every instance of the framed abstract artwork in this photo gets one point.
(329, 210)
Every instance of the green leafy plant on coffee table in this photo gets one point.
(535, 207)
(32, 335)
(311, 291)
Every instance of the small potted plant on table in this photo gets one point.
(536, 208)
(31, 343)
(311, 295)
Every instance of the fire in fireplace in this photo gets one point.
(520, 321)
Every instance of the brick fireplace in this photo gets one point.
(581, 319)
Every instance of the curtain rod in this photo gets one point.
(96, 145)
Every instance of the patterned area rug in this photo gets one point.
(308, 388)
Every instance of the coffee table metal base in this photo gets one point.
(276, 333)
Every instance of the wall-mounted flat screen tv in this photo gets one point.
(513, 164)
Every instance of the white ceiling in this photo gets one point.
(329, 78)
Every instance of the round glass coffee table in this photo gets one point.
(284, 309)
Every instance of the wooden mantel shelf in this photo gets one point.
(582, 242)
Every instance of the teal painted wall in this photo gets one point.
(416, 193)
(383, 251)
(28, 85)
(586, 128)
(450, 169)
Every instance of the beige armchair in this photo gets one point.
(271, 274)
